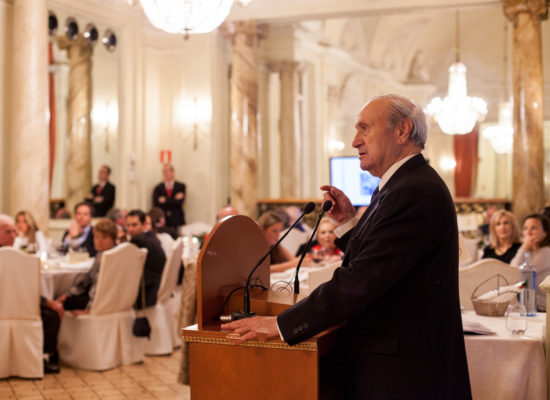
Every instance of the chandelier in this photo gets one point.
(457, 113)
(186, 16)
(501, 135)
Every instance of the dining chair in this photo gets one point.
(103, 339)
(21, 335)
(162, 315)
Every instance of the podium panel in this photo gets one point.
(219, 368)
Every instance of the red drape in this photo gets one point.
(465, 151)
(52, 111)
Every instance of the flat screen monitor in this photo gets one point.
(347, 175)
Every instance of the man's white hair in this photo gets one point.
(6, 219)
(400, 108)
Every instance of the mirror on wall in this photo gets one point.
(104, 99)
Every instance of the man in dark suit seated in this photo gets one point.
(154, 263)
(169, 196)
(396, 293)
(51, 311)
(102, 195)
(80, 235)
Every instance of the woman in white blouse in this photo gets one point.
(29, 238)
(536, 240)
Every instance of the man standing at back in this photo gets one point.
(154, 263)
(396, 293)
(169, 195)
(102, 195)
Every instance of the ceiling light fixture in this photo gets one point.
(457, 113)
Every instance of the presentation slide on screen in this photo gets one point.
(347, 175)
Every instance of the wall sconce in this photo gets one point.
(105, 118)
(194, 115)
(335, 145)
(447, 164)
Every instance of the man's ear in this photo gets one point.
(404, 130)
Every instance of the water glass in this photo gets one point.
(516, 320)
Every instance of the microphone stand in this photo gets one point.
(326, 206)
(246, 312)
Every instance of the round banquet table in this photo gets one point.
(57, 276)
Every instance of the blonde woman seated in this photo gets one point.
(281, 259)
(504, 239)
(80, 296)
(326, 250)
(29, 238)
(536, 241)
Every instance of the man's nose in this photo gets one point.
(356, 141)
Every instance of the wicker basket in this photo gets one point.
(495, 307)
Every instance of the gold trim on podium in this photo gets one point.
(305, 346)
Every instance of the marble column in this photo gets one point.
(29, 136)
(528, 155)
(78, 168)
(291, 143)
(244, 108)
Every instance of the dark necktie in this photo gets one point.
(98, 190)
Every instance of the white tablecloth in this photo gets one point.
(503, 367)
(57, 276)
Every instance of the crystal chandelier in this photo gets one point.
(501, 135)
(457, 113)
(186, 16)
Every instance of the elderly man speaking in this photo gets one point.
(396, 293)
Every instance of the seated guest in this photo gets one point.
(536, 241)
(503, 237)
(158, 222)
(281, 259)
(326, 250)
(170, 195)
(80, 296)
(485, 228)
(154, 263)
(226, 211)
(118, 216)
(102, 195)
(80, 235)
(295, 241)
(29, 237)
(51, 311)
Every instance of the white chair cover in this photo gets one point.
(166, 243)
(162, 315)
(470, 277)
(103, 339)
(21, 336)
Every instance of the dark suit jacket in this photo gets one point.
(396, 294)
(154, 265)
(175, 216)
(88, 243)
(108, 194)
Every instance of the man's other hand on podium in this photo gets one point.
(259, 328)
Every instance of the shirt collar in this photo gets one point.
(392, 170)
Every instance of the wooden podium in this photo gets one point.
(255, 369)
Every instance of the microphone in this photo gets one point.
(327, 205)
(246, 301)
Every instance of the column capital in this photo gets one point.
(249, 28)
(284, 66)
(535, 8)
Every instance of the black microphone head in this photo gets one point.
(327, 205)
(309, 207)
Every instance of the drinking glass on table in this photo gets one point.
(318, 255)
(516, 320)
